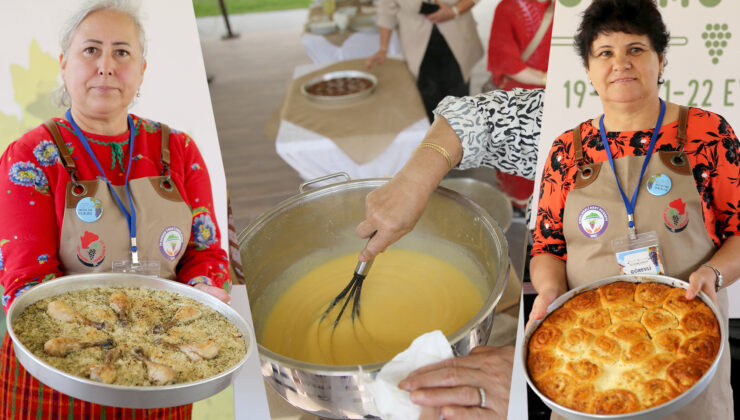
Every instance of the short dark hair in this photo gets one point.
(638, 17)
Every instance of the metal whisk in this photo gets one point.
(351, 292)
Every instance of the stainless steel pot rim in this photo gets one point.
(250, 340)
(653, 412)
(339, 370)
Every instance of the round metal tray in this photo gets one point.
(117, 395)
(343, 99)
(652, 413)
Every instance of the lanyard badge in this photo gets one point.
(144, 267)
(637, 253)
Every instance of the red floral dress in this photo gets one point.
(33, 183)
(515, 23)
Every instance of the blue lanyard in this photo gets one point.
(130, 216)
(630, 205)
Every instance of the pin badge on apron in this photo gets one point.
(659, 184)
(89, 209)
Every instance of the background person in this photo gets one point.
(622, 44)
(440, 48)
(102, 63)
(518, 51)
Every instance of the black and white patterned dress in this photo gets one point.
(499, 129)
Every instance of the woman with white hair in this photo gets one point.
(77, 188)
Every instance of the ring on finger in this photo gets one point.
(482, 393)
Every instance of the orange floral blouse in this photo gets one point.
(713, 151)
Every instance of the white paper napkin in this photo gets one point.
(391, 402)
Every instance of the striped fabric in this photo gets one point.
(22, 397)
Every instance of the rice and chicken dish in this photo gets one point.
(130, 336)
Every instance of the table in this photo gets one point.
(348, 45)
(365, 149)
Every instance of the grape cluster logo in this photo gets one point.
(716, 37)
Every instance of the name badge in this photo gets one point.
(639, 256)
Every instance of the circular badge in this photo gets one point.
(170, 242)
(675, 216)
(593, 221)
(89, 209)
(659, 184)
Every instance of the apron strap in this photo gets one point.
(577, 147)
(165, 145)
(683, 118)
(66, 158)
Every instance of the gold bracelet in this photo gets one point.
(441, 150)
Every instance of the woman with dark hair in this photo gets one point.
(653, 173)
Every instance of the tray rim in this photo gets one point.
(132, 395)
(651, 413)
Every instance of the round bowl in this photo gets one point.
(343, 99)
(322, 27)
(652, 413)
(349, 11)
(117, 395)
(364, 23)
(318, 225)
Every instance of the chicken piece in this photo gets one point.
(103, 373)
(119, 302)
(158, 373)
(106, 373)
(62, 346)
(63, 312)
(186, 313)
(195, 351)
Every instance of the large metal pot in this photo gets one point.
(657, 412)
(318, 225)
(118, 395)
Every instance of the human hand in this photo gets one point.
(444, 13)
(392, 210)
(541, 302)
(703, 279)
(218, 292)
(379, 57)
(451, 388)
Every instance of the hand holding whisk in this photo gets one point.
(351, 292)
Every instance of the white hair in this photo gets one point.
(129, 8)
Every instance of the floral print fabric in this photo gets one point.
(33, 185)
(712, 149)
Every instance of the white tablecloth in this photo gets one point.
(250, 399)
(314, 155)
(358, 45)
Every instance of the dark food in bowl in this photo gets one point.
(339, 86)
(623, 347)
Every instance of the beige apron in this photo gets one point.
(684, 247)
(163, 219)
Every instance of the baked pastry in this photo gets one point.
(623, 347)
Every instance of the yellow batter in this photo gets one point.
(406, 294)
